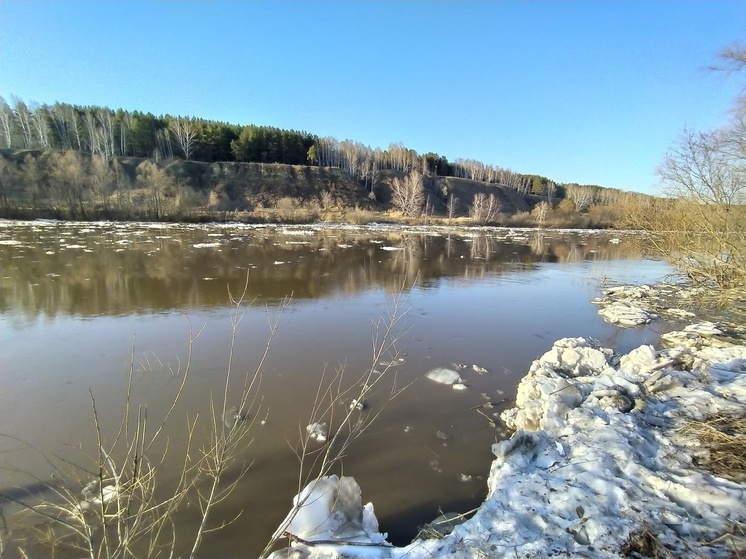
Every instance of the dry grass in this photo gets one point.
(724, 439)
(361, 217)
(642, 543)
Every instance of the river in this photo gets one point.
(81, 303)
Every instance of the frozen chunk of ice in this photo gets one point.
(444, 376)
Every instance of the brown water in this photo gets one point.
(79, 302)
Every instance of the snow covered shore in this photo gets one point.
(599, 452)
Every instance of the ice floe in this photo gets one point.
(626, 314)
(318, 432)
(446, 376)
(598, 451)
(330, 509)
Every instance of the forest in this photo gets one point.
(74, 162)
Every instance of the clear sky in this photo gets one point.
(579, 91)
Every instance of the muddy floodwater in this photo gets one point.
(81, 302)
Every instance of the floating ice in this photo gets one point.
(318, 432)
(206, 245)
(444, 376)
(626, 314)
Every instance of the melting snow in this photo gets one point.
(597, 451)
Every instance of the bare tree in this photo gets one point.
(160, 186)
(101, 180)
(551, 191)
(540, 213)
(8, 183)
(184, 133)
(451, 206)
(23, 116)
(39, 121)
(6, 123)
(33, 180)
(67, 182)
(408, 193)
(581, 196)
(701, 226)
(484, 209)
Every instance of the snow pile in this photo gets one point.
(696, 336)
(599, 452)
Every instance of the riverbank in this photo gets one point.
(612, 455)
(69, 185)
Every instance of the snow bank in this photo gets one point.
(597, 451)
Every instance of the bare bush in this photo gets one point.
(161, 189)
(700, 227)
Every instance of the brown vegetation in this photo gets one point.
(71, 185)
(723, 439)
(700, 226)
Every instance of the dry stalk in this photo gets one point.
(332, 395)
(123, 513)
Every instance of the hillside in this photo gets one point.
(73, 185)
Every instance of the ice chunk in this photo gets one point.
(318, 431)
(626, 314)
(330, 508)
(444, 376)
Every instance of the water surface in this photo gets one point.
(81, 302)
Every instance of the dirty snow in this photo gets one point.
(597, 450)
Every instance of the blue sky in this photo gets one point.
(591, 92)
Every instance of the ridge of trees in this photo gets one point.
(95, 130)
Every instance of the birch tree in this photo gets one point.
(6, 123)
(408, 193)
(23, 116)
(184, 134)
(484, 209)
(39, 121)
(581, 196)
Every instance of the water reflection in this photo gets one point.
(111, 269)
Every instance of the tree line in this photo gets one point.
(108, 133)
